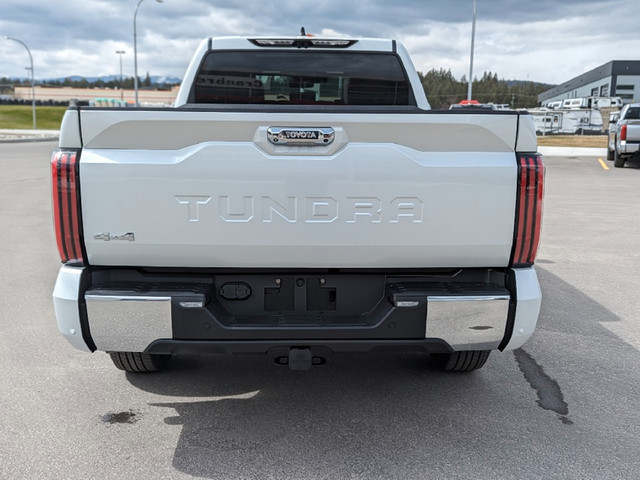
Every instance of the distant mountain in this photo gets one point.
(162, 79)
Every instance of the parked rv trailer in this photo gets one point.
(587, 102)
(566, 121)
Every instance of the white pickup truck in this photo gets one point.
(300, 199)
(624, 136)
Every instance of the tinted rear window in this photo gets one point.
(302, 77)
(633, 114)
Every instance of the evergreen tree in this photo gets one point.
(443, 89)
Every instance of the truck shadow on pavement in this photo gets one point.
(366, 415)
(632, 163)
(361, 412)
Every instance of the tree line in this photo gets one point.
(443, 89)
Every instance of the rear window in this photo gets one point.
(302, 77)
(633, 114)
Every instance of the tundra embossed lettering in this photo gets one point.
(266, 209)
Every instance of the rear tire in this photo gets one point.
(609, 154)
(137, 362)
(618, 161)
(465, 361)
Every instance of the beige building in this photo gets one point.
(98, 96)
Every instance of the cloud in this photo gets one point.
(545, 40)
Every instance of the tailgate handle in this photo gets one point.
(301, 135)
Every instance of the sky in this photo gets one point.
(548, 41)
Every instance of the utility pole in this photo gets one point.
(473, 37)
(33, 82)
(135, 49)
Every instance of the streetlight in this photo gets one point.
(121, 52)
(473, 36)
(135, 49)
(33, 90)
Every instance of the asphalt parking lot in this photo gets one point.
(564, 406)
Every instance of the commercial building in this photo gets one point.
(618, 78)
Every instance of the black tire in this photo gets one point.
(609, 154)
(465, 361)
(618, 161)
(137, 362)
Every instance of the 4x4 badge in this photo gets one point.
(107, 237)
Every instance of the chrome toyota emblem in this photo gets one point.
(301, 136)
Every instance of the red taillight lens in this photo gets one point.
(623, 132)
(528, 209)
(66, 205)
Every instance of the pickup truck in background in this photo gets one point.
(300, 199)
(624, 135)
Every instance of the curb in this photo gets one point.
(8, 135)
(27, 140)
(572, 152)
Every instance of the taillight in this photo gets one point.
(66, 205)
(623, 132)
(528, 209)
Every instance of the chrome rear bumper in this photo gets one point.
(130, 323)
(137, 319)
(468, 322)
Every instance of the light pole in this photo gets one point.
(135, 49)
(33, 90)
(473, 37)
(121, 52)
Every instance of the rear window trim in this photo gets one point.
(192, 92)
